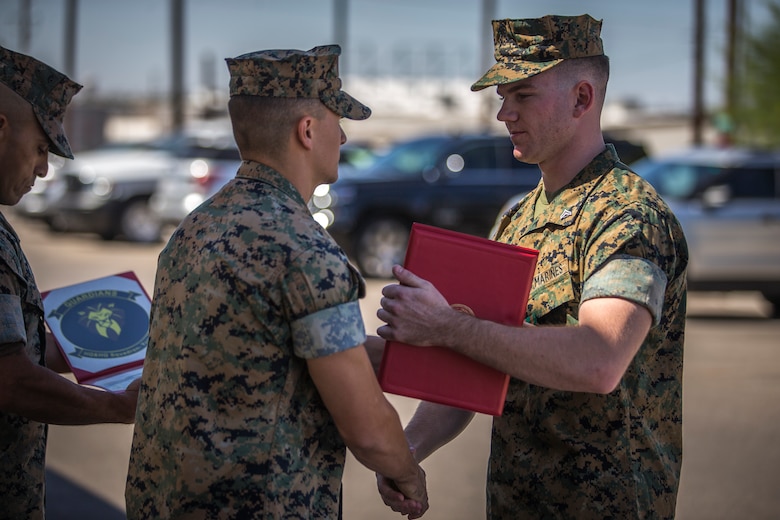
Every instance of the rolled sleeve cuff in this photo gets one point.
(329, 331)
(634, 279)
(11, 320)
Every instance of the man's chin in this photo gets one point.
(520, 157)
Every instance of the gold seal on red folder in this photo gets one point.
(465, 309)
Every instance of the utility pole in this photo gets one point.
(177, 65)
(699, 18)
(340, 15)
(25, 25)
(71, 32)
(733, 30)
(71, 15)
(486, 57)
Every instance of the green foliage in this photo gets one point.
(756, 113)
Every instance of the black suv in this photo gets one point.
(454, 182)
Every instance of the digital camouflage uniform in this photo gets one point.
(580, 455)
(230, 424)
(23, 441)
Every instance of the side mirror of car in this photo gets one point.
(441, 172)
(715, 196)
(431, 175)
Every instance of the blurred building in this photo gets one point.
(402, 108)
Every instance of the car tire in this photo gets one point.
(138, 223)
(56, 224)
(379, 244)
(774, 299)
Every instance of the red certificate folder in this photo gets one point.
(490, 279)
(101, 326)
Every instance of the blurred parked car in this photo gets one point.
(107, 191)
(189, 186)
(728, 202)
(104, 191)
(455, 182)
(211, 165)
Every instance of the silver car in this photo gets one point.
(728, 202)
(210, 162)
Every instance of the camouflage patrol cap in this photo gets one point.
(526, 47)
(295, 74)
(47, 90)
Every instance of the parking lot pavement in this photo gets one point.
(67, 500)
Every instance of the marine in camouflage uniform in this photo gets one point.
(605, 233)
(585, 455)
(23, 441)
(248, 289)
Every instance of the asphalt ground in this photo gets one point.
(731, 409)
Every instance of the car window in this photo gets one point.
(409, 158)
(480, 157)
(752, 183)
(678, 180)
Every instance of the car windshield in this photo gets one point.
(409, 158)
(676, 180)
(207, 147)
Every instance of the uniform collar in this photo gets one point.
(4, 224)
(264, 173)
(564, 209)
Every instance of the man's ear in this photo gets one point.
(586, 97)
(304, 132)
(5, 126)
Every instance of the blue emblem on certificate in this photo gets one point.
(104, 323)
(102, 328)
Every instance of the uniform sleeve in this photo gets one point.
(12, 327)
(11, 323)
(321, 292)
(630, 257)
(631, 278)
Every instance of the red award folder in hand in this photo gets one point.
(488, 279)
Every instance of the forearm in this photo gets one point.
(434, 425)
(54, 358)
(589, 357)
(42, 395)
(519, 352)
(382, 447)
(375, 348)
(365, 419)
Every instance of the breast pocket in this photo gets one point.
(553, 299)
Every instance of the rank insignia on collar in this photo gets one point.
(565, 213)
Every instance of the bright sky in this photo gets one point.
(123, 46)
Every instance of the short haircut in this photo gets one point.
(594, 68)
(264, 124)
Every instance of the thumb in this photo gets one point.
(406, 277)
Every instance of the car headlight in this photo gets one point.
(101, 187)
(321, 198)
(192, 201)
(323, 217)
(199, 169)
